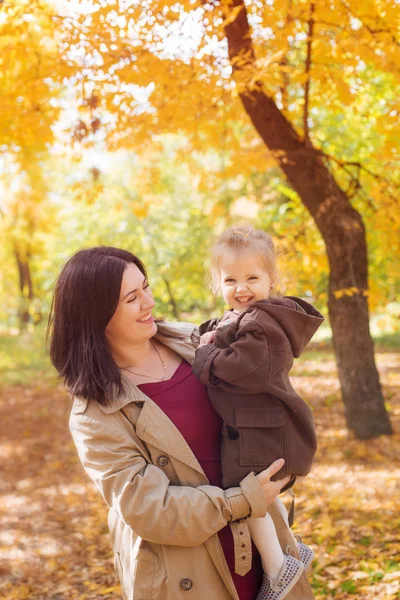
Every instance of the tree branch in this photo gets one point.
(356, 184)
(307, 72)
(375, 31)
(377, 19)
(283, 63)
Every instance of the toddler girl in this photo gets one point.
(245, 358)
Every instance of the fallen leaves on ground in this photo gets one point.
(54, 543)
(348, 508)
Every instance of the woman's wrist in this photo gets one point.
(252, 489)
(247, 500)
(240, 506)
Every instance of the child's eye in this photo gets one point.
(229, 280)
(254, 277)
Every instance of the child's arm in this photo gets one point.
(245, 364)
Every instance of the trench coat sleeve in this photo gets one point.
(245, 365)
(145, 500)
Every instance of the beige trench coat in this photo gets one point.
(163, 514)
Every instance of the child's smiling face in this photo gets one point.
(244, 280)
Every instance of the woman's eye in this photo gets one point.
(145, 286)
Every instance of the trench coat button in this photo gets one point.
(186, 584)
(162, 461)
(233, 434)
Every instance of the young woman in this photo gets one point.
(149, 439)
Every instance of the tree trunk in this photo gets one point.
(341, 227)
(173, 302)
(25, 287)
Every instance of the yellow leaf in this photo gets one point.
(108, 590)
(232, 16)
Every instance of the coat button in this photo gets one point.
(162, 461)
(186, 584)
(233, 434)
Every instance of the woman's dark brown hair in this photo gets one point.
(85, 298)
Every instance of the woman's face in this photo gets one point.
(132, 322)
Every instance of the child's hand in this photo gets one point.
(207, 338)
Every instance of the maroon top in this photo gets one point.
(185, 401)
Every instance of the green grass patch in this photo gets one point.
(24, 359)
(376, 576)
(349, 586)
(366, 540)
(388, 341)
(391, 565)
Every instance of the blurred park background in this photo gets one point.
(153, 125)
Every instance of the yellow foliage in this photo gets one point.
(30, 69)
(351, 291)
(145, 70)
(140, 211)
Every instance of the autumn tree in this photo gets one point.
(341, 226)
(31, 73)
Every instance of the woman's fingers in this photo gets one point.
(282, 482)
(274, 468)
(271, 489)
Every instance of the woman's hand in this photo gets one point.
(207, 338)
(270, 488)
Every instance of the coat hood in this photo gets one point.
(298, 319)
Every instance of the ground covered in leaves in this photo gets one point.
(53, 535)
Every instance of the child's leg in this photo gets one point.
(281, 572)
(264, 536)
(306, 553)
(282, 509)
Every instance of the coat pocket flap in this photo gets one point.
(259, 417)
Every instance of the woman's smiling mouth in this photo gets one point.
(147, 318)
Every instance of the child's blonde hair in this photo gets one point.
(243, 238)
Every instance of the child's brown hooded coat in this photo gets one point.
(246, 369)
